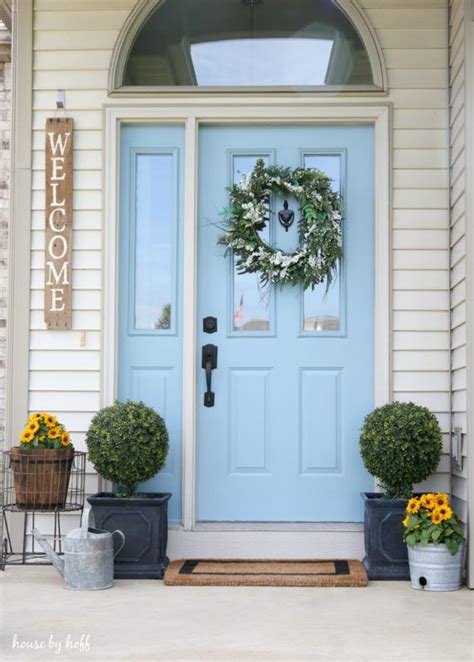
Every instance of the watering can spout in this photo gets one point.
(56, 560)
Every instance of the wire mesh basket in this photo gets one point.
(43, 479)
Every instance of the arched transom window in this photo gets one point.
(218, 44)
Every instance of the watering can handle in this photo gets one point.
(85, 522)
(123, 541)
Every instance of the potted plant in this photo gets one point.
(42, 463)
(400, 444)
(435, 542)
(128, 444)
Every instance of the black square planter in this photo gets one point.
(144, 522)
(386, 555)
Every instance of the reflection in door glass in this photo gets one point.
(321, 306)
(155, 225)
(251, 311)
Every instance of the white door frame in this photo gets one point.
(191, 114)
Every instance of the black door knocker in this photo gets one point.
(286, 216)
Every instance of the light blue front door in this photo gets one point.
(294, 378)
(150, 304)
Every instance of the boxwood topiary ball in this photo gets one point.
(128, 444)
(401, 444)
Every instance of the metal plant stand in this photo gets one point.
(22, 551)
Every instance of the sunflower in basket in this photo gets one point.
(44, 431)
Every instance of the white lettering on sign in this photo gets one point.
(58, 165)
(61, 276)
(58, 272)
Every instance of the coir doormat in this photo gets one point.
(214, 572)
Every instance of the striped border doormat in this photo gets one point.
(228, 572)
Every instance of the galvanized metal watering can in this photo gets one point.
(88, 563)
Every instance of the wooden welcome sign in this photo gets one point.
(58, 242)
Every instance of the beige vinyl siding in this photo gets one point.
(73, 44)
(458, 242)
(414, 39)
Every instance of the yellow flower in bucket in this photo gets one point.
(413, 505)
(445, 512)
(441, 499)
(428, 501)
(436, 517)
(434, 523)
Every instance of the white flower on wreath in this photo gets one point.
(277, 258)
(245, 182)
(253, 213)
(314, 262)
(249, 261)
(293, 188)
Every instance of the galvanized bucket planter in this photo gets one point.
(434, 568)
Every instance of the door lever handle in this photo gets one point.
(209, 363)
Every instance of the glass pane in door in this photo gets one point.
(322, 306)
(251, 303)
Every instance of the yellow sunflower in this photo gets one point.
(33, 427)
(36, 417)
(65, 439)
(54, 433)
(51, 421)
(428, 501)
(26, 436)
(413, 505)
(444, 511)
(436, 517)
(441, 499)
(405, 521)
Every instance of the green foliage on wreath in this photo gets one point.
(127, 444)
(320, 250)
(401, 444)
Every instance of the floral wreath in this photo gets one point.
(320, 250)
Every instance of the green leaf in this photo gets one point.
(413, 520)
(452, 545)
(436, 535)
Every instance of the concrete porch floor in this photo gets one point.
(145, 620)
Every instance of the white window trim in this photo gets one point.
(211, 110)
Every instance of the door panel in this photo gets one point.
(295, 370)
(150, 315)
